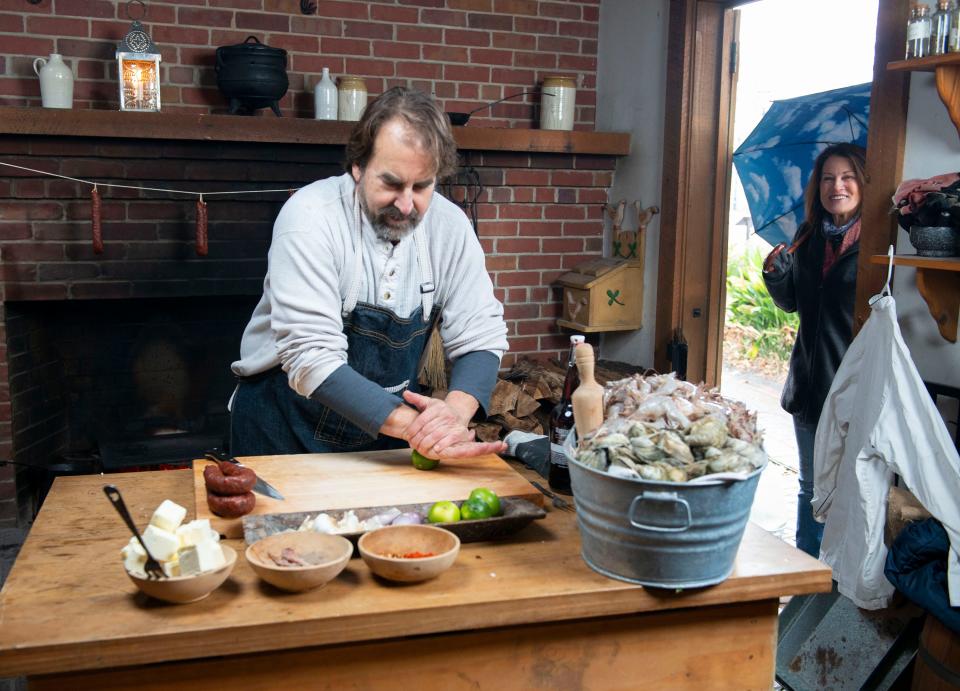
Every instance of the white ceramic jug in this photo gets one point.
(325, 98)
(56, 81)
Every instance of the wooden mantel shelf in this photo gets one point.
(269, 129)
(946, 69)
(938, 282)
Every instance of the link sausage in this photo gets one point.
(95, 220)
(228, 479)
(202, 247)
(232, 506)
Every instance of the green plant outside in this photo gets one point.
(769, 330)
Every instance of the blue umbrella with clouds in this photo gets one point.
(776, 159)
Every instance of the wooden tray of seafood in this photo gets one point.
(515, 514)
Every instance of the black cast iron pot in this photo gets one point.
(252, 76)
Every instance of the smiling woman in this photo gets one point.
(822, 261)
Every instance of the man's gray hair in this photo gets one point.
(420, 112)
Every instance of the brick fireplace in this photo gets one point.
(138, 340)
(98, 351)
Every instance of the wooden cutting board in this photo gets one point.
(318, 482)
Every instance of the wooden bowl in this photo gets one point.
(329, 554)
(381, 548)
(183, 589)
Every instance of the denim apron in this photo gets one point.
(270, 418)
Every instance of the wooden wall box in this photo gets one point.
(603, 295)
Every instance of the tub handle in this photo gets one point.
(664, 497)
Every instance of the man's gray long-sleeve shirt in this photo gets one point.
(298, 322)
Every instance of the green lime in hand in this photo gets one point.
(421, 462)
(488, 497)
(444, 512)
(475, 508)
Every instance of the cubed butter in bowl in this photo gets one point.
(193, 560)
(183, 589)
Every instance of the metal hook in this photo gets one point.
(142, 5)
(886, 286)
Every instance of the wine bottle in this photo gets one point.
(561, 422)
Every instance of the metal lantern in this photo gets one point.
(138, 67)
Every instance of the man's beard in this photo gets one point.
(380, 220)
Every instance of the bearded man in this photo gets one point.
(360, 267)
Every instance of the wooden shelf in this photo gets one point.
(270, 129)
(938, 282)
(946, 69)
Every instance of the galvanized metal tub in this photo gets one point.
(661, 534)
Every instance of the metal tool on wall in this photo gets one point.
(464, 189)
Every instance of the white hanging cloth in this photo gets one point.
(878, 420)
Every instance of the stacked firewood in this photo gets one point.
(525, 395)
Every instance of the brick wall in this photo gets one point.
(466, 52)
(539, 214)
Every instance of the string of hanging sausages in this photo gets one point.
(96, 222)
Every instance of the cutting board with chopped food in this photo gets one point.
(330, 481)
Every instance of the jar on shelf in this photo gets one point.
(940, 27)
(351, 98)
(953, 43)
(919, 29)
(557, 100)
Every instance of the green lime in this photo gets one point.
(421, 462)
(444, 512)
(475, 508)
(488, 497)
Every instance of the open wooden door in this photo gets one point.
(701, 81)
(701, 85)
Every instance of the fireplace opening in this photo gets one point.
(118, 385)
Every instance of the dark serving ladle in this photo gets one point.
(460, 119)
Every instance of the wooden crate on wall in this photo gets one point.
(603, 295)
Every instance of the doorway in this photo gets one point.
(697, 172)
(836, 42)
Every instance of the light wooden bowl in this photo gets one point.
(379, 547)
(329, 552)
(183, 589)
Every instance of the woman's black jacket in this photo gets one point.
(825, 308)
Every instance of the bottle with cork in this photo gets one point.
(940, 28)
(953, 42)
(919, 30)
(561, 423)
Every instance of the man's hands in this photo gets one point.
(440, 430)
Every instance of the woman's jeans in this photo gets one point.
(809, 532)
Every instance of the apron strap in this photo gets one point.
(353, 292)
(427, 286)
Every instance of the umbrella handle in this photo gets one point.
(800, 240)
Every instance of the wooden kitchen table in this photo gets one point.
(520, 613)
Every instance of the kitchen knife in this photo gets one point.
(260, 487)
